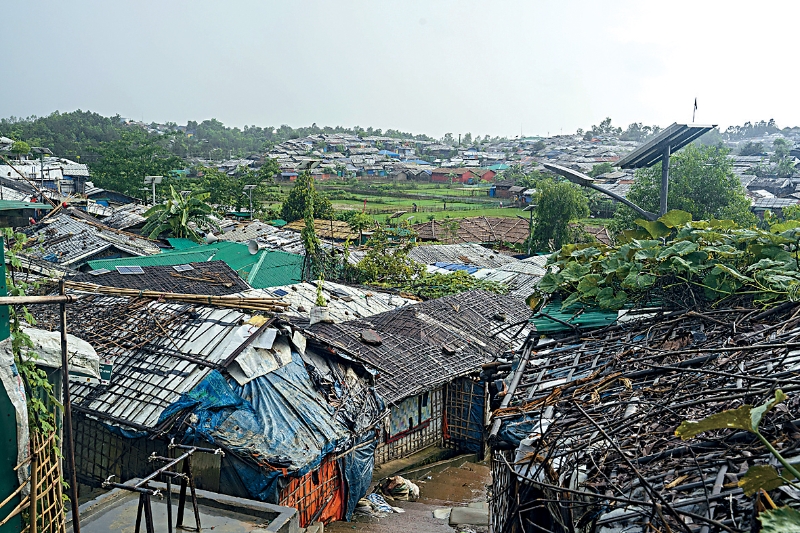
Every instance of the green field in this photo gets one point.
(384, 199)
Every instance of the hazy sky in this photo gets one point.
(497, 67)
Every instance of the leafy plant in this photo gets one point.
(320, 301)
(387, 261)
(758, 477)
(430, 286)
(174, 216)
(681, 263)
(39, 392)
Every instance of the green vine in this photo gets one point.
(677, 262)
(39, 391)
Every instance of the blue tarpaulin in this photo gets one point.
(279, 419)
(357, 467)
(455, 266)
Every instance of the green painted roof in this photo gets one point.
(267, 268)
(577, 315)
(15, 205)
(182, 244)
(162, 259)
(276, 268)
(278, 222)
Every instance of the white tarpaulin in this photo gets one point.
(83, 360)
(15, 389)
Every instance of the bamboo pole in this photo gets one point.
(237, 302)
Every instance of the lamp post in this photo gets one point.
(249, 189)
(42, 152)
(583, 180)
(529, 208)
(154, 180)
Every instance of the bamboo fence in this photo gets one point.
(47, 515)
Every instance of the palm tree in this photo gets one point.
(174, 216)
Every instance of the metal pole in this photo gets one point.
(154, 191)
(251, 204)
(68, 436)
(530, 233)
(664, 181)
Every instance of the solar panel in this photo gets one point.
(130, 270)
(280, 292)
(182, 268)
(99, 271)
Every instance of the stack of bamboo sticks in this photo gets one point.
(230, 301)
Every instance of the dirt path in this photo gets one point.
(452, 487)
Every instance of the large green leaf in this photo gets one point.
(574, 271)
(550, 282)
(634, 234)
(606, 299)
(655, 228)
(722, 224)
(636, 280)
(780, 520)
(731, 419)
(745, 417)
(675, 218)
(760, 477)
(587, 286)
(758, 413)
(784, 226)
(679, 248)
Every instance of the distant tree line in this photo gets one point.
(78, 135)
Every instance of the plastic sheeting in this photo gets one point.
(15, 389)
(357, 467)
(280, 425)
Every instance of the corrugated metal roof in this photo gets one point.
(164, 258)
(236, 255)
(212, 278)
(344, 302)
(182, 244)
(69, 240)
(467, 254)
(552, 319)
(276, 268)
(147, 342)
(267, 235)
(15, 205)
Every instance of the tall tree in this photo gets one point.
(303, 196)
(701, 182)
(557, 204)
(125, 162)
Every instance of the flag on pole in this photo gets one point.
(695, 109)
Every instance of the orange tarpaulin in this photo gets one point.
(318, 495)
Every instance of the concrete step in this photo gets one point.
(469, 516)
(316, 527)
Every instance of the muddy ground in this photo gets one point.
(454, 486)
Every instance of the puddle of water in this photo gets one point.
(456, 484)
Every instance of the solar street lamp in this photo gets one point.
(154, 180)
(583, 180)
(249, 189)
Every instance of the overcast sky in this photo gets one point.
(496, 67)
